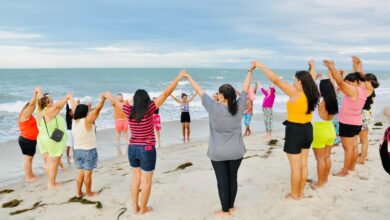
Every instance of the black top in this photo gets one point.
(157, 111)
(369, 101)
(68, 118)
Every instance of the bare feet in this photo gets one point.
(222, 214)
(55, 186)
(32, 179)
(145, 210)
(136, 208)
(361, 160)
(91, 194)
(290, 196)
(80, 194)
(232, 210)
(342, 173)
(316, 185)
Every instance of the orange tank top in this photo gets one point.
(296, 111)
(29, 129)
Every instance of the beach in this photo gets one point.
(191, 193)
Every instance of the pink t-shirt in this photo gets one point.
(351, 110)
(268, 101)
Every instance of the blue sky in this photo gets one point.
(151, 33)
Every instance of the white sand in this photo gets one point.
(192, 193)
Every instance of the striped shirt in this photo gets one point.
(142, 133)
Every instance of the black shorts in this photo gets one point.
(298, 137)
(346, 130)
(28, 146)
(185, 117)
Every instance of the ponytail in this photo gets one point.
(229, 93)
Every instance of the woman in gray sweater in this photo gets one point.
(226, 146)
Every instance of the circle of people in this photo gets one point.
(317, 115)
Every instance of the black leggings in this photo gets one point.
(226, 173)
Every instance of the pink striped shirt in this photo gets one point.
(142, 133)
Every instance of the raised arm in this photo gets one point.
(194, 84)
(167, 92)
(357, 65)
(288, 89)
(248, 77)
(115, 103)
(176, 99)
(94, 114)
(347, 89)
(29, 110)
(192, 97)
(56, 108)
(255, 88)
(312, 69)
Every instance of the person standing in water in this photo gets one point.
(268, 103)
(226, 146)
(157, 124)
(50, 121)
(85, 144)
(371, 83)
(141, 150)
(350, 115)
(185, 117)
(303, 99)
(28, 134)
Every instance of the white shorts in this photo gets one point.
(70, 142)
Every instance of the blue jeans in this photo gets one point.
(86, 159)
(144, 157)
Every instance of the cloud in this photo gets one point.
(12, 35)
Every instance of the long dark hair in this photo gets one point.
(354, 77)
(229, 93)
(310, 89)
(372, 78)
(81, 111)
(141, 101)
(329, 94)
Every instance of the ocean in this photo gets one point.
(16, 88)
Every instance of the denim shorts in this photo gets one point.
(139, 157)
(86, 159)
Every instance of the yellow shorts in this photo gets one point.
(324, 134)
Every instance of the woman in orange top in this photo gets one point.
(28, 134)
(303, 98)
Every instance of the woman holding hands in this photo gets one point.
(226, 146)
(142, 151)
(303, 98)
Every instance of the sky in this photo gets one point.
(282, 34)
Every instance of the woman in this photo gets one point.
(324, 132)
(157, 125)
(49, 123)
(142, 151)
(268, 103)
(350, 116)
(303, 98)
(84, 135)
(371, 83)
(185, 117)
(248, 113)
(28, 134)
(226, 147)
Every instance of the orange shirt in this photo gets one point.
(296, 111)
(29, 129)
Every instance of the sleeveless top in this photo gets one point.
(369, 101)
(185, 107)
(83, 139)
(351, 110)
(316, 114)
(296, 111)
(44, 135)
(29, 129)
